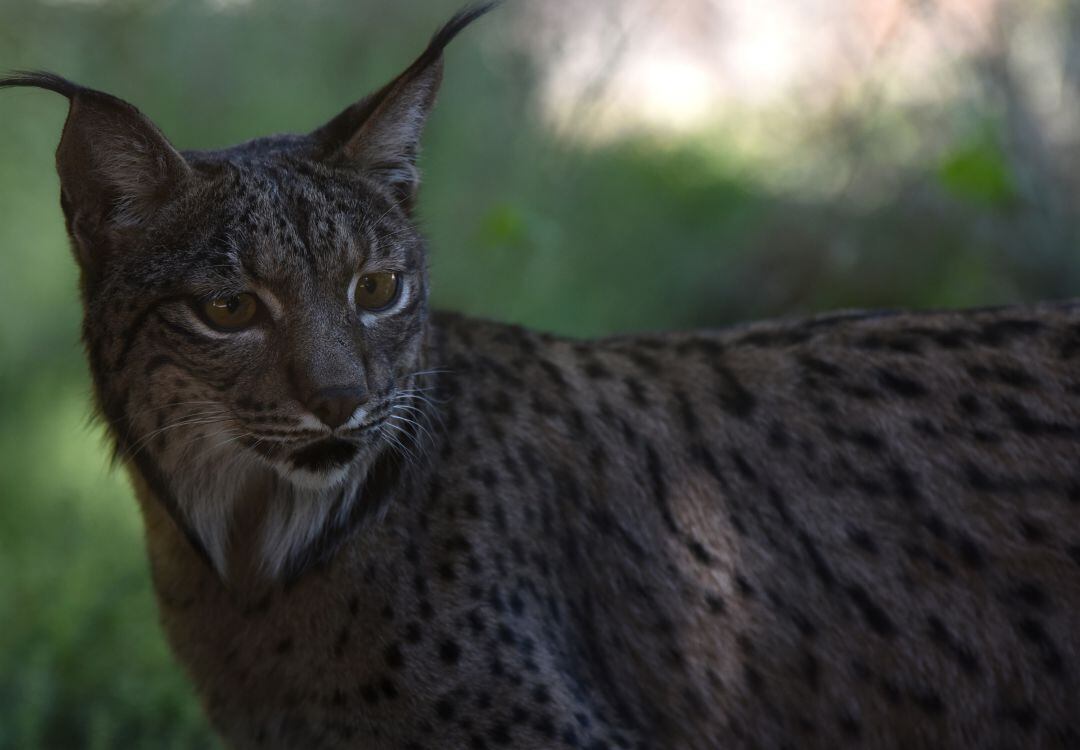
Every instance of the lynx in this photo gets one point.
(370, 525)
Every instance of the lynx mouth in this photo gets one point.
(323, 456)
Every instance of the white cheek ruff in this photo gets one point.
(300, 502)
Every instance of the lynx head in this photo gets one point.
(254, 317)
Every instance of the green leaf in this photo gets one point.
(979, 173)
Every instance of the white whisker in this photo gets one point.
(397, 441)
(149, 409)
(210, 418)
(414, 423)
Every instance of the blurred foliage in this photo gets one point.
(979, 172)
(647, 232)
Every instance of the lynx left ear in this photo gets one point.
(116, 168)
(380, 134)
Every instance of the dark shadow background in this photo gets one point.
(587, 173)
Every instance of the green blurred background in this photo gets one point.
(580, 193)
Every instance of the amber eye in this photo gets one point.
(231, 313)
(376, 291)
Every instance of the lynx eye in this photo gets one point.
(377, 291)
(231, 313)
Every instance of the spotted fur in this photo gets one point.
(856, 529)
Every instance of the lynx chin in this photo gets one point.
(375, 526)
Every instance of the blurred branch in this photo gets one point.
(1042, 232)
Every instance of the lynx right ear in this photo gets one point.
(380, 134)
(116, 168)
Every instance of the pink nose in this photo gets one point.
(335, 406)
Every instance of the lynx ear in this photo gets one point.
(380, 134)
(116, 168)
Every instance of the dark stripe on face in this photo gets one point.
(158, 362)
(185, 333)
(131, 333)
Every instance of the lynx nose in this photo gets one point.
(334, 406)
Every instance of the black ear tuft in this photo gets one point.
(380, 134)
(451, 29)
(40, 79)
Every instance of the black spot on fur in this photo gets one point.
(734, 397)
(940, 636)
(901, 384)
(449, 651)
(875, 617)
(1033, 631)
(393, 656)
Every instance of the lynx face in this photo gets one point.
(325, 281)
(255, 317)
(275, 344)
